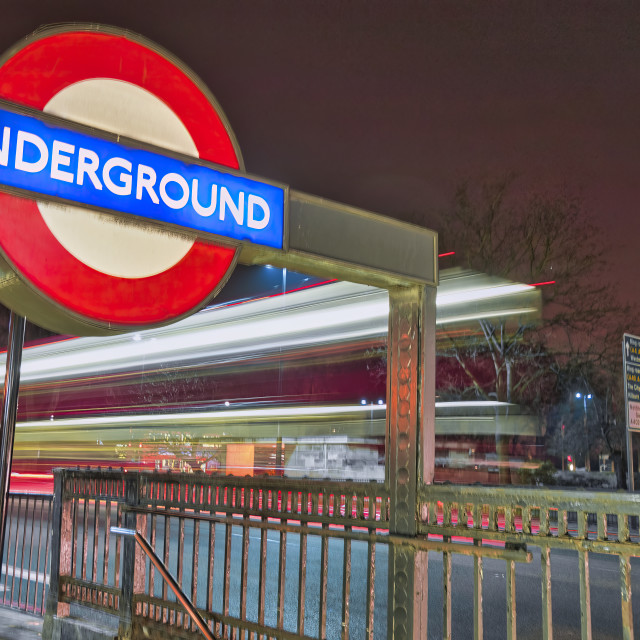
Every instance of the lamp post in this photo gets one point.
(585, 397)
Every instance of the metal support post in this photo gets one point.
(9, 411)
(409, 408)
(125, 628)
(630, 478)
(51, 611)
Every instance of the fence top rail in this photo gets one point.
(262, 482)
(266, 482)
(355, 503)
(578, 500)
(501, 497)
(47, 497)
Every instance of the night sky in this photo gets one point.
(388, 105)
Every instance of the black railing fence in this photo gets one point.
(24, 580)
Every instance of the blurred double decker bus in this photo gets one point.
(284, 375)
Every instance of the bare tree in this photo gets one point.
(546, 239)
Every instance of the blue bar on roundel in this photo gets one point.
(53, 161)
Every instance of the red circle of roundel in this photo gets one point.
(34, 75)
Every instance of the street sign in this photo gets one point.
(96, 120)
(631, 362)
(631, 372)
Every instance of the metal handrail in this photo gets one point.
(164, 572)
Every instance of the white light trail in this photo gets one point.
(330, 313)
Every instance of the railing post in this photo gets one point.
(59, 547)
(411, 437)
(585, 594)
(127, 583)
(625, 593)
(545, 575)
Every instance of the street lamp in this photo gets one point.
(585, 397)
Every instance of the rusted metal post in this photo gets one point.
(346, 585)
(478, 621)
(585, 595)
(54, 576)
(9, 413)
(127, 583)
(511, 600)
(370, 593)
(545, 576)
(426, 449)
(625, 594)
(410, 428)
(446, 596)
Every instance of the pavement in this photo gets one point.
(18, 625)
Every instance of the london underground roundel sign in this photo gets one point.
(95, 121)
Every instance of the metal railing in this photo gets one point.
(256, 556)
(24, 579)
(168, 578)
(278, 558)
(584, 522)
